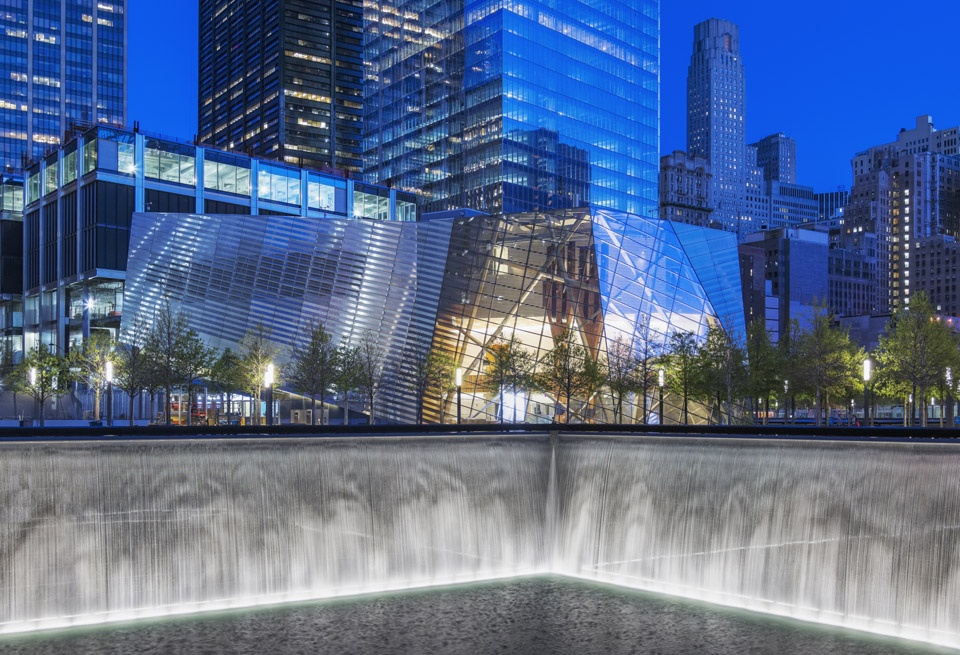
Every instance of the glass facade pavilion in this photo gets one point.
(80, 199)
(514, 106)
(64, 64)
(459, 284)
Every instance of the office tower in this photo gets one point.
(508, 109)
(830, 204)
(715, 118)
(908, 193)
(777, 156)
(283, 79)
(64, 63)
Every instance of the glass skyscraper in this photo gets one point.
(283, 79)
(514, 106)
(63, 64)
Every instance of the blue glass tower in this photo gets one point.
(509, 107)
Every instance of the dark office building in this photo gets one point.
(283, 79)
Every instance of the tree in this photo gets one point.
(594, 380)
(510, 368)
(133, 369)
(564, 372)
(313, 367)
(370, 369)
(90, 363)
(827, 362)
(721, 370)
(195, 362)
(227, 378)
(915, 350)
(257, 352)
(765, 366)
(348, 375)
(164, 344)
(42, 374)
(681, 363)
(621, 374)
(429, 371)
(646, 355)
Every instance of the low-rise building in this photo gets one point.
(686, 189)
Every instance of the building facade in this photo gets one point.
(80, 200)
(777, 156)
(852, 273)
(831, 204)
(64, 64)
(514, 108)
(283, 79)
(686, 189)
(790, 204)
(463, 285)
(11, 269)
(716, 128)
(906, 191)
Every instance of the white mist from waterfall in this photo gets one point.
(860, 535)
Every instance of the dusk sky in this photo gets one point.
(837, 76)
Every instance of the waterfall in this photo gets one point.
(864, 535)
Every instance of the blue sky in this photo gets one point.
(837, 76)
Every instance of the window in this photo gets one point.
(50, 177)
(326, 194)
(90, 154)
(33, 185)
(278, 184)
(226, 173)
(170, 162)
(371, 202)
(70, 165)
(115, 151)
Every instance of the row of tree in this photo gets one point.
(730, 379)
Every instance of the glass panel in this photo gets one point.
(170, 162)
(279, 184)
(115, 151)
(70, 167)
(321, 194)
(33, 186)
(50, 181)
(89, 155)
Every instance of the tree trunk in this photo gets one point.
(923, 406)
(370, 422)
(766, 407)
(817, 408)
(167, 391)
(96, 404)
(346, 408)
(189, 403)
(133, 398)
(313, 410)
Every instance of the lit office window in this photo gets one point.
(326, 194)
(226, 173)
(115, 152)
(170, 162)
(371, 202)
(33, 184)
(278, 184)
(50, 178)
(70, 164)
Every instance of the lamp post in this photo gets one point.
(867, 374)
(949, 398)
(109, 375)
(459, 390)
(786, 402)
(36, 400)
(660, 380)
(268, 384)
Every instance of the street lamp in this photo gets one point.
(36, 398)
(867, 374)
(459, 390)
(660, 380)
(268, 378)
(786, 401)
(949, 398)
(109, 375)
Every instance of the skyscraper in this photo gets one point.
(63, 64)
(283, 79)
(514, 108)
(777, 156)
(715, 117)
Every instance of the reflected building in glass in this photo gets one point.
(463, 284)
(511, 107)
(64, 64)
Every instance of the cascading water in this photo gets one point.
(862, 535)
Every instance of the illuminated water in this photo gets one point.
(523, 617)
(865, 536)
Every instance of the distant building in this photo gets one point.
(686, 189)
(283, 80)
(830, 204)
(64, 64)
(759, 302)
(935, 272)
(790, 204)
(715, 123)
(11, 269)
(777, 156)
(852, 274)
(796, 267)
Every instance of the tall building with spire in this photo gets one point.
(716, 127)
